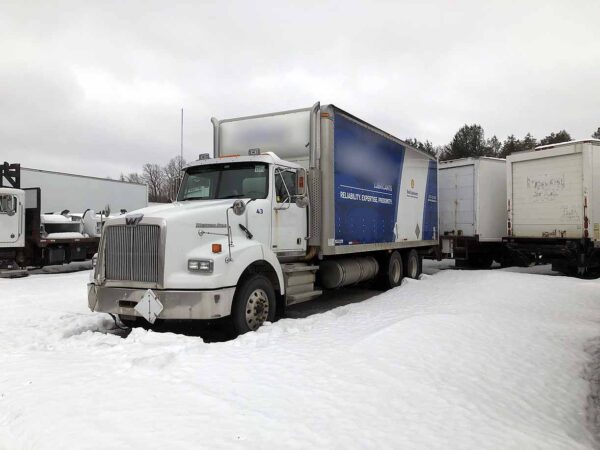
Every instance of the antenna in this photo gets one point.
(181, 150)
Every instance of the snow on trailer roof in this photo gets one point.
(468, 161)
(562, 144)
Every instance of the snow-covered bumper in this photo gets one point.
(211, 304)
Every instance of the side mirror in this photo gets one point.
(301, 183)
(239, 207)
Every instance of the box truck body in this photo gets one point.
(371, 190)
(553, 202)
(472, 210)
(291, 203)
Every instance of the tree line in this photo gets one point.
(470, 141)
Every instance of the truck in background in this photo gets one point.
(553, 203)
(292, 203)
(472, 211)
(33, 233)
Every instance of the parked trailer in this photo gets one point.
(472, 211)
(553, 202)
(33, 233)
(78, 193)
(292, 203)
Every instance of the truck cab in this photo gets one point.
(12, 225)
(12, 217)
(236, 220)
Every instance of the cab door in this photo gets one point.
(289, 221)
(11, 220)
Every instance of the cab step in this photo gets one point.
(292, 299)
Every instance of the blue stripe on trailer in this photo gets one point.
(430, 211)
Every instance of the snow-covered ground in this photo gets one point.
(460, 359)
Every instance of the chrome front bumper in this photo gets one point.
(176, 304)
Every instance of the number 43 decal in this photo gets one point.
(259, 211)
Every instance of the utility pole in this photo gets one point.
(181, 150)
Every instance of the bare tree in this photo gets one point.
(172, 177)
(134, 178)
(153, 176)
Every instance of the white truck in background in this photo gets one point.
(553, 203)
(291, 203)
(472, 210)
(49, 218)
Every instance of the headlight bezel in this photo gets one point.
(196, 265)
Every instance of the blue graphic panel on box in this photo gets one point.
(367, 170)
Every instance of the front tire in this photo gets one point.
(253, 304)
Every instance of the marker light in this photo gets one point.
(216, 248)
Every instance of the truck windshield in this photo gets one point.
(219, 181)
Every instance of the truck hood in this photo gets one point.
(195, 208)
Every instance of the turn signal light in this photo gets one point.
(216, 248)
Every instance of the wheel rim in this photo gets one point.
(257, 309)
(396, 269)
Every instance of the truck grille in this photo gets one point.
(132, 253)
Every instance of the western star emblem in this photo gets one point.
(133, 219)
(412, 183)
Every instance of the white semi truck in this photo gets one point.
(553, 204)
(291, 203)
(49, 217)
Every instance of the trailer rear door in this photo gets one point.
(547, 196)
(457, 200)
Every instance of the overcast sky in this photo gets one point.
(96, 87)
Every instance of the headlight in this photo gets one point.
(95, 260)
(200, 265)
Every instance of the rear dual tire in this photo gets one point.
(397, 266)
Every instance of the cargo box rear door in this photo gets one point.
(457, 200)
(547, 196)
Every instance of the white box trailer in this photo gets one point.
(77, 193)
(471, 208)
(553, 202)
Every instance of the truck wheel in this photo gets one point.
(481, 261)
(253, 304)
(395, 271)
(412, 263)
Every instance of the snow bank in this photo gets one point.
(460, 359)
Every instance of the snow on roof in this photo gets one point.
(561, 144)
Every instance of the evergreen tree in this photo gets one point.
(494, 146)
(510, 145)
(529, 142)
(596, 134)
(426, 146)
(552, 138)
(469, 141)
